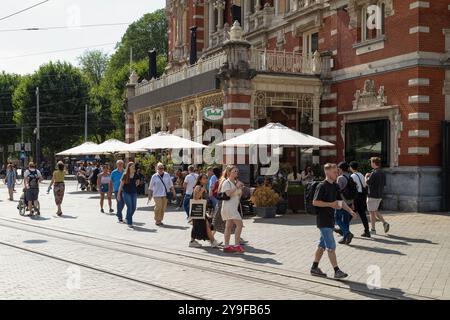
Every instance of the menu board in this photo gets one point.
(197, 209)
(244, 173)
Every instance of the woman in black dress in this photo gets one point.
(202, 228)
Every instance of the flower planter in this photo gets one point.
(296, 203)
(266, 212)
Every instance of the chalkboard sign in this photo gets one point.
(197, 209)
(244, 173)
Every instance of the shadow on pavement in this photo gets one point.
(377, 250)
(363, 290)
(385, 241)
(168, 226)
(66, 216)
(412, 240)
(39, 218)
(289, 220)
(35, 241)
(81, 192)
(141, 229)
(147, 208)
(245, 256)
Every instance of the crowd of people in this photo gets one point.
(344, 194)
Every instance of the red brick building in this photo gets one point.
(372, 77)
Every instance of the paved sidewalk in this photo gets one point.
(412, 259)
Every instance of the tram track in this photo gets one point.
(189, 256)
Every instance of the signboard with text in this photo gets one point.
(213, 114)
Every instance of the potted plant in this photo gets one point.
(265, 200)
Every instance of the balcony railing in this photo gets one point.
(202, 66)
(282, 61)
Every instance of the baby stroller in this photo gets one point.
(23, 205)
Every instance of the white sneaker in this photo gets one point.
(215, 244)
(194, 244)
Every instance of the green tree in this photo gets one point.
(8, 130)
(93, 65)
(63, 94)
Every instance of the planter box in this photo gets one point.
(296, 202)
(282, 207)
(266, 212)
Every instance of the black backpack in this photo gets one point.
(309, 196)
(350, 191)
(33, 179)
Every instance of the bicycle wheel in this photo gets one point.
(22, 208)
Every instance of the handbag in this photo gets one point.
(223, 196)
(168, 194)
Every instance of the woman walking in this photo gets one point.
(59, 186)
(202, 228)
(10, 180)
(232, 188)
(128, 191)
(104, 186)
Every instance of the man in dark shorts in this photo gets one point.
(32, 179)
(327, 198)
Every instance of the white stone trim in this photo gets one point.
(418, 29)
(418, 82)
(334, 32)
(238, 121)
(329, 96)
(419, 4)
(419, 133)
(418, 99)
(419, 116)
(327, 124)
(236, 106)
(328, 110)
(334, 52)
(197, 16)
(328, 153)
(419, 150)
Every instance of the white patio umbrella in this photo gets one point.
(276, 134)
(86, 148)
(115, 146)
(165, 140)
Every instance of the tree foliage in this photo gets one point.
(93, 64)
(63, 93)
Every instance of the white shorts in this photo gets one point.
(373, 204)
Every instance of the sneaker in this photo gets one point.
(194, 244)
(373, 231)
(102, 211)
(340, 275)
(318, 273)
(111, 210)
(120, 221)
(386, 227)
(130, 226)
(243, 242)
(239, 249)
(338, 231)
(366, 234)
(342, 241)
(215, 244)
(349, 238)
(229, 249)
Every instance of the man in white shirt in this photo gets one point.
(160, 184)
(188, 185)
(360, 201)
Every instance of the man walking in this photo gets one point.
(32, 178)
(361, 198)
(159, 187)
(116, 177)
(376, 180)
(327, 199)
(188, 185)
(348, 191)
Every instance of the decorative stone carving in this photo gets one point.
(281, 40)
(369, 98)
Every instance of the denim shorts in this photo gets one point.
(327, 239)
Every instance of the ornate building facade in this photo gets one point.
(370, 76)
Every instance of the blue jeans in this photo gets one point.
(187, 198)
(214, 202)
(131, 203)
(343, 221)
(120, 205)
(327, 239)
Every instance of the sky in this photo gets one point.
(18, 49)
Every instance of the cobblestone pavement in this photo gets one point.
(412, 260)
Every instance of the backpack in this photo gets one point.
(309, 196)
(215, 189)
(350, 191)
(33, 179)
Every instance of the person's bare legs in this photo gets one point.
(227, 234)
(209, 232)
(110, 200)
(11, 194)
(373, 219)
(237, 233)
(102, 199)
(333, 258)
(380, 216)
(319, 254)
